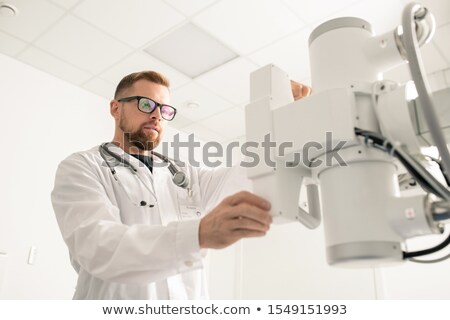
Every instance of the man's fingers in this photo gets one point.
(247, 197)
(247, 211)
(299, 90)
(247, 224)
(306, 91)
(243, 233)
(243, 214)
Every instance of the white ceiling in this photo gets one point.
(94, 43)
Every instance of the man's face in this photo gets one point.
(140, 129)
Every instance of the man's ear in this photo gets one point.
(114, 109)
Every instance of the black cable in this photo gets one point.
(388, 147)
(441, 167)
(408, 255)
(441, 216)
(420, 180)
(380, 142)
(431, 261)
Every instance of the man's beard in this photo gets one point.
(139, 139)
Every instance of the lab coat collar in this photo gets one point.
(121, 153)
(143, 171)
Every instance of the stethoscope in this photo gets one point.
(179, 178)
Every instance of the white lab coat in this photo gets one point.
(123, 251)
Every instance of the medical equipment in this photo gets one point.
(179, 178)
(353, 144)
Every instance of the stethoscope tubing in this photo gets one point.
(178, 177)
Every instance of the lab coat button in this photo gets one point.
(188, 263)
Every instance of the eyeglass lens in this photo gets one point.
(147, 106)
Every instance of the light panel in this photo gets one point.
(191, 51)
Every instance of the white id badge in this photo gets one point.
(189, 212)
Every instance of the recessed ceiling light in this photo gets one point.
(191, 50)
(8, 10)
(192, 104)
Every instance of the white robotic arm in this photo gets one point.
(347, 144)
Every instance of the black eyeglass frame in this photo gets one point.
(157, 104)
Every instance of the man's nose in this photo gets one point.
(156, 114)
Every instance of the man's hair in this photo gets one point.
(128, 81)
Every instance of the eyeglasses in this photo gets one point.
(148, 105)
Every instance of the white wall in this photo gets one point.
(43, 120)
(290, 264)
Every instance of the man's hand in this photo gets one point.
(242, 215)
(299, 90)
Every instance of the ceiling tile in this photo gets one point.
(201, 51)
(447, 77)
(179, 121)
(437, 81)
(252, 23)
(231, 81)
(241, 140)
(432, 61)
(432, 58)
(75, 41)
(101, 87)
(188, 8)
(66, 4)
(230, 123)
(140, 61)
(203, 133)
(383, 15)
(317, 10)
(440, 9)
(399, 74)
(208, 103)
(10, 45)
(291, 54)
(33, 19)
(134, 22)
(54, 66)
(442, 41)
